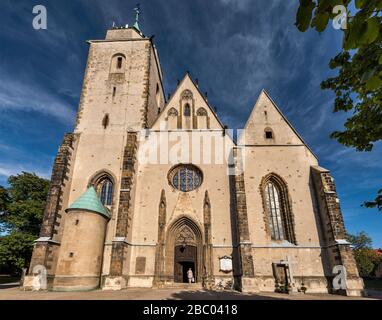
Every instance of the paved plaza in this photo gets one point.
(13, 292)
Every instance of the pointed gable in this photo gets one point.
(187, 109)
(267, 125)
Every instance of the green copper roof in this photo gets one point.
(137, 13)
(89, 201)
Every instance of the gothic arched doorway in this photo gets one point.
(184, 250)
(185, 258)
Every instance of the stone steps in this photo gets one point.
(186, 286)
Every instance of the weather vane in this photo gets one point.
(137, 10)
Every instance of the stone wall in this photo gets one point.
(338, 249)
(46, 247)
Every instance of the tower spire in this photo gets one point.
(137, 10)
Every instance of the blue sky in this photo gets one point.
(234, 47)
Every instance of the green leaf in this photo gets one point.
(320, 21)
(304, 15)
(353, 34)
(372, 31)
(380, 59)
(367, 75)
(360, 3)
(373, 83)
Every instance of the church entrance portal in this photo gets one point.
(185, 258)
(183, 250)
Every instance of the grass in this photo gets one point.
(375, 284)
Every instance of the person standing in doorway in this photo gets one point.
(190, 275)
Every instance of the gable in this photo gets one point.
(187, 109)
(267, 125)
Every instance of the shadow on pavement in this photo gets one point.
(217, 295)
(9, 285)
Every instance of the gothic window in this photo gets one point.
(104, 187)
(278, 209)
(185, 178)
(201, 112)
(172, 112)
(274, 213)
(187, 110)
(172, 119)
(202, 118)
(187, 95)
(106, 192)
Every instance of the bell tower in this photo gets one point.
(122, 88)
(122, 93)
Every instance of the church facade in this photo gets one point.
(146, 189)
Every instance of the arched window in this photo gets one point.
(278, 209)
(105, 188)
(172, 112)
(172, 119)
(201, 112)
(187, 95)
(118, 63)
(202, 118)
(274, 212)
(187, 110)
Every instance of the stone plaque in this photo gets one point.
(140, 265)
(225, 264)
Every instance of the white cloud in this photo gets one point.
(237, 4)
(10, 169)
(22, 94)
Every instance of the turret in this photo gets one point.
(80, 259)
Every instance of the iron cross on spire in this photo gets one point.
(137, 10)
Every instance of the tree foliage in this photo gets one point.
(377, 203)
(360, 240)
(367, 259)
(21, 211)
(358, 85)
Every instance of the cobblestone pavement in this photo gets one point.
(15, 293)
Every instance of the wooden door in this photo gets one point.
(184, 258)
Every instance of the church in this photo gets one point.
(148, 187)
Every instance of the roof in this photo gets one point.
(187, 75)
(263, 91)
(89, 201)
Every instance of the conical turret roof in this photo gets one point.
(89, 201)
